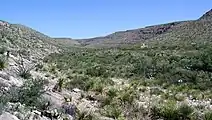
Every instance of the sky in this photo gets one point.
(91, 18)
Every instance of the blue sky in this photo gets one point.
(90, 18)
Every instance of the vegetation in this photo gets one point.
(148, 80)
(23, 70)
(174, 73)
(208, 116)
(3, 61)
(166, 66)
(29, 94)
(170, 111)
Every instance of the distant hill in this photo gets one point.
(20, 36)
(66, 42)
(184, 30)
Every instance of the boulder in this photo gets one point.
(8, 116)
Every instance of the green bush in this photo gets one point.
(185, 111)
(96, 71)
(3, 50)
(3, 62)
(208, 116)
(170, 111)
(78, 81)
(112, 93)
(128, 96)
(85, 116)
(29, 93)
(112, 111)
(98, 87)
(106, 101)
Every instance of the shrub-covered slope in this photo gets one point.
(16, 37)
(183, 31)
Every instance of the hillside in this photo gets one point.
(130, 36)
(160, 72)
(66, 42)
(176, 31)
(19, 37)
(164, 74)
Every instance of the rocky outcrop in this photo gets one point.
(8, 116)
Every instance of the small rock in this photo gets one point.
(76, 90)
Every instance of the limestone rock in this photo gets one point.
(8, 116)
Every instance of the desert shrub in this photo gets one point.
(3, 62)
(78, 81)
(128, 96)
(185, 111)
(89, 84)
(170, 111)
(112, 111)
(29, 93)
(208, 116)
(206, 58)
(85, 116)
(3, 50)
(96, 71)
(112, 93)
(98, 87)
(105, 100)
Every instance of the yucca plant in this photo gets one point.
(23, 70)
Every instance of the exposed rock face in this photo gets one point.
(207, 15)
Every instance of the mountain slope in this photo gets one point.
(130, 36)
(198, 29)
(191, 32)
(66, 42)
(18, 37)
